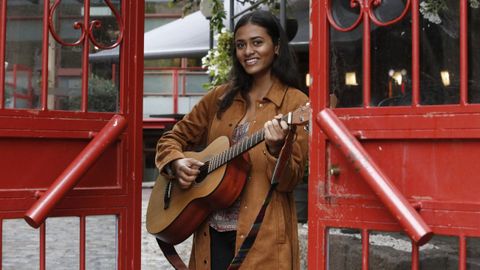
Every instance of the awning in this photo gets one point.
(189, 37)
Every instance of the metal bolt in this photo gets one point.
(334, 170)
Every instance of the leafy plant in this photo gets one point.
(431, 9)
(218, 60)
(102, 96)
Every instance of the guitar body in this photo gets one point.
(188, 208)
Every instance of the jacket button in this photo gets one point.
(241, 236)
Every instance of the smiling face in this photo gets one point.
(254, 49)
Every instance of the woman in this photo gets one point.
(262, 88)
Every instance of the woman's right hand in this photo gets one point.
(186, 171)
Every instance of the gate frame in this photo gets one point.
(123, 199)
(446, 122)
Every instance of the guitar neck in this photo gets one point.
(235, 150)
(238, 149)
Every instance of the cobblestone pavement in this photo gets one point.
(20, 244)
(152, 256)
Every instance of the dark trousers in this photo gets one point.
(222, 248)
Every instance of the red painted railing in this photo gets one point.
(393, 199)
(37, 214)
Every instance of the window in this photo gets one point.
(392, 68)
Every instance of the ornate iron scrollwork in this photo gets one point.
(367, 8)
(86, 31)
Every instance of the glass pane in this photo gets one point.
(344, 249)
(101, 244)
(442, 254)
(103, 86)
(473, 253)
(473, 55)
(345, 58)
(103, 83)
(20, 245)
(391, 57)
(194, 82)
(23, 54)
(158, 83)
(63, 243)
(439, 69)
(102, 94)
(65, 62)
(389, 250)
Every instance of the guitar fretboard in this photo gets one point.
(235, 150)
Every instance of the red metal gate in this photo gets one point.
(70, 134)
(395, 136)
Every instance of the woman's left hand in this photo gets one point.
(275, 132)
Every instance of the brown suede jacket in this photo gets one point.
(276, 246)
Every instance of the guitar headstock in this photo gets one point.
(300, 116)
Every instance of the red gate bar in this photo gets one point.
(82, 242)
(77, 168)
(415, 53)
(395, 202)
(462, 252)
(365, 249)
(43, 245)
(463, 52)
(85, 52)
(367, 84)
(1, 241)
(45, 46)
(415, 256)
(3, 31)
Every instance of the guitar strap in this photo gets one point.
(282, 161)
(172, 255)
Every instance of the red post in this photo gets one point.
(175, 91)
(393, 199)
(36, 215)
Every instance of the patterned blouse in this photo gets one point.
(224, 220)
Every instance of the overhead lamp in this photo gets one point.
(308, 80)
(445, 75)
(351, 78)
(397, 75)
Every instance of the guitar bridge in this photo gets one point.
(167, 196)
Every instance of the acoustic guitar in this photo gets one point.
(173, 214)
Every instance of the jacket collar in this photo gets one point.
(275, 94)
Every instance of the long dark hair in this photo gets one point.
(284, 66)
